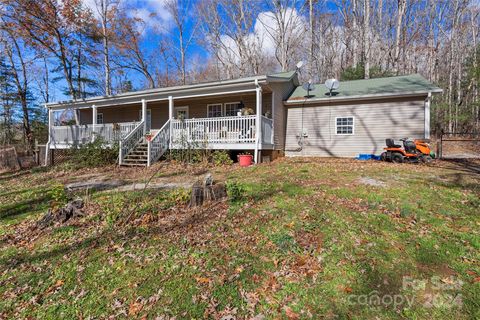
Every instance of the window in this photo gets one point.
(214, 110)
(181, 112)
(99, 118)
(344, 125)
(232, 108)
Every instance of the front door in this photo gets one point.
(181, 112)
(148, 120)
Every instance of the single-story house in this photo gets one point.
(268, 115)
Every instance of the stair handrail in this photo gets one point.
(159, 143)
(130, 141)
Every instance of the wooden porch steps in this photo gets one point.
(138, 156)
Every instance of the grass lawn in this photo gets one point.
(298, 239)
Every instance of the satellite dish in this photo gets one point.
(309, 86)
(332, 84)
(300, 64)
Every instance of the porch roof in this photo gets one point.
(160, 94)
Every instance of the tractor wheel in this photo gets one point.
(383, 156)
(426, 159)
(397, 158)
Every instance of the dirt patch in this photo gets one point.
(372, 182)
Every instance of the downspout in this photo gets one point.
(427, 115)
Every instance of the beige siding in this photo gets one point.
(281, 91)
(374, 122)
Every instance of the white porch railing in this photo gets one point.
(210, 131)
(80, 134)
(130, 141)
(159, 143)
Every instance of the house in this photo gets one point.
(268, 115)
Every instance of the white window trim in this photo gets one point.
(180, 108)
(345, 134)
(215, 104)
(100, 114)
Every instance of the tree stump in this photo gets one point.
(207, 191)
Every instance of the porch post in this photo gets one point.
(170, 117)
(427, 115)
(94, 121)
(50, 125)
(144, 115)
(258, 120)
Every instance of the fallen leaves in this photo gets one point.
(202, 280)
(134, 308)
(291, 315)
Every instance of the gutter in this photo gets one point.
(360, 97)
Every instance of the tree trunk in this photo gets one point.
(106, 46)
(312, 40)
(366, 39)
(354, 33)
(402, 6)
(21, 83)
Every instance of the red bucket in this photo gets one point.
(245, 160)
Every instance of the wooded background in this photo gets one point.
(70, 49)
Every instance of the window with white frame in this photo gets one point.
(232, 109)
(99, 118)
(214, 110)
(344, 125)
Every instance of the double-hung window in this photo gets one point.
(232, 109)
(99, 118)
(344, 125)
(214, 110)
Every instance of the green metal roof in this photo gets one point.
(401, 85)
(283, 75)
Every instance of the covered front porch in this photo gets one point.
(233, 120)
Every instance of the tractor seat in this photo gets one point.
(391, 144)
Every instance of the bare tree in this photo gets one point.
(183, 34)
(132, 55)
(366, 38)
(402, 7)
(105, 12)
(19, 71)
(226, 26)
(285, 26)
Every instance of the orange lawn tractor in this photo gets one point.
(413, 151)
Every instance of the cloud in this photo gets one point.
(265, 34)
(152, 12)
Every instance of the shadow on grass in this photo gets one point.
(101, 239)
(469, 166)
(18, 208)
(9, 176)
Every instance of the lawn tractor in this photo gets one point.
(413, 151)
